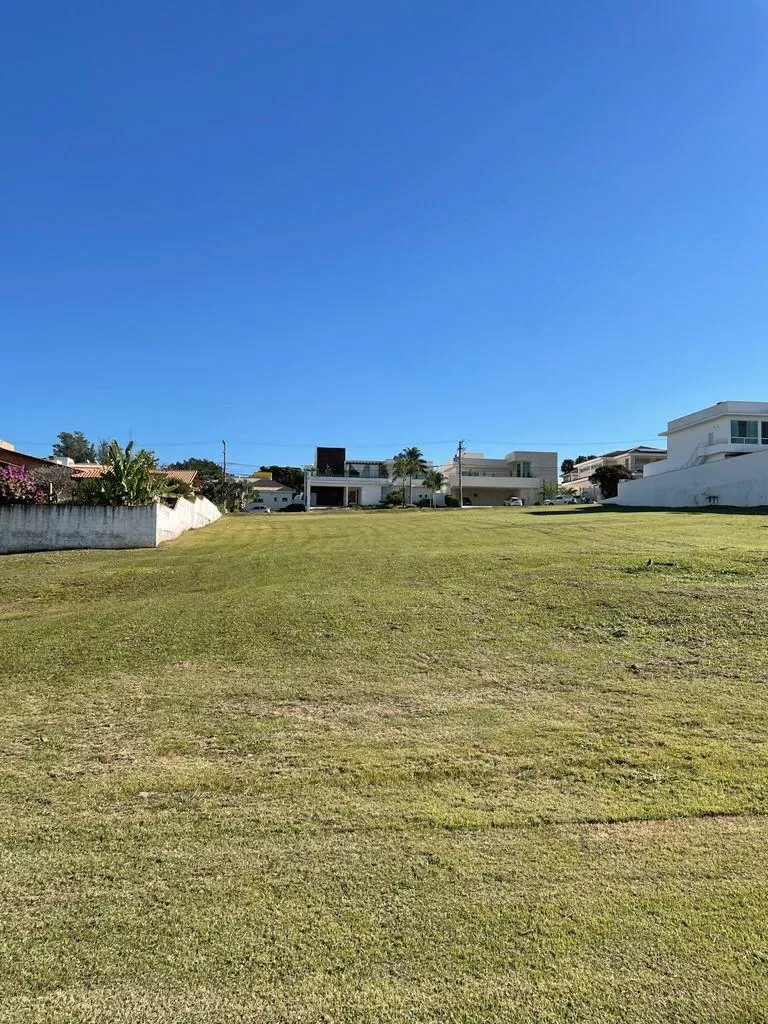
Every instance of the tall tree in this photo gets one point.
(103, 451)
(583, 458)
(567, 466)
(73, 444)
(400, 470)
(607, 479)
(413, 459)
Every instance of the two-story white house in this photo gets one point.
(484, 481)
(716, 456)
(336, 481)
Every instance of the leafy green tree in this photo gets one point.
(413, 464)
(73, 445)
(567, 466)
(607, 479)
(434, 480)
(209, 473)
(583, 458)
(290, 476)
(102, 452)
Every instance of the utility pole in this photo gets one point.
(224, 473)
(461, 484)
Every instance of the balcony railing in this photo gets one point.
(346, 475)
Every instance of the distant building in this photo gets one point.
(634, 460)
(336, 481)
(526, 475)
(264, 492)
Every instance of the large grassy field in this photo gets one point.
(402, 767)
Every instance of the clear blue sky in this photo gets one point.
(528, 224)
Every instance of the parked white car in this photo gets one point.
(514, 502)
(562, 499)
(261, 508)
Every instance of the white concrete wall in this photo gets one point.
(741, 481)
(186, 515)
(59, 527)
(370, 494)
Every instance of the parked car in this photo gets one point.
(260, 508)
(514, 502)
(562, 499)
(295, 506)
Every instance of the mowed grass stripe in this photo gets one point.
(483, 765)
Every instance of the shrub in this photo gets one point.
(451, 502)
(395, 497)
(57, 484)
(18, 487)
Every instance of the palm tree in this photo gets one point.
(434, 480)
(400, 469)
(413, 462)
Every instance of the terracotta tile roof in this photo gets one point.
(187, 476)
(92, 471)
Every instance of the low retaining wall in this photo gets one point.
(742, 482)
(59, 527)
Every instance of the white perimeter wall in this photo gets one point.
(186, 515)
(58, 527)
(741, 481)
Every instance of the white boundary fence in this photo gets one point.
(57, 527)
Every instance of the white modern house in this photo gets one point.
(484, 481)
(634, 460)
(335, 481)
(716, 456)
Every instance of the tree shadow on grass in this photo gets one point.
(710, 510)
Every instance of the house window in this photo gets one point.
(764, 431)
(743, 431)
(285, 499)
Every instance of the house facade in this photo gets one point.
(336, 481)
(634, 460)
(523, 474)
(716, 456)
(264, 492)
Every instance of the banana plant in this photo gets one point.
(130, 478)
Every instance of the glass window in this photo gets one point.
(764, 431)
(743, 431)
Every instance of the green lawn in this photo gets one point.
(389, 767)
